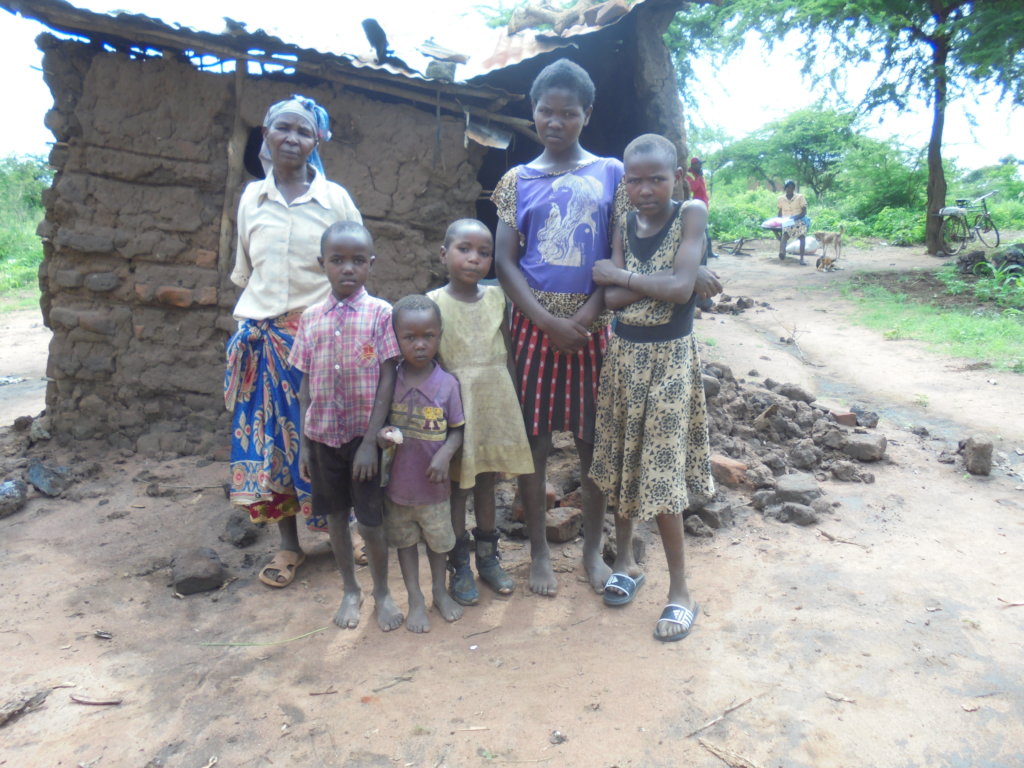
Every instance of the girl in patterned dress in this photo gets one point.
(651, 455)
(475, 349)
(554, 223)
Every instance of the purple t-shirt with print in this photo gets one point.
(424, 414)
(566, 219)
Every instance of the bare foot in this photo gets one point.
(446, 606)
(542, 576)
(418, 620)
(388, 615)
(597, 570)
(347, 616)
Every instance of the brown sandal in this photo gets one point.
(285, 562)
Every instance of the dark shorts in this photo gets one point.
(334, 490)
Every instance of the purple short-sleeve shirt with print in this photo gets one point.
(424, 413)
(566, 220)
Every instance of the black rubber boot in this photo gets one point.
(487, 565)
(461, 584)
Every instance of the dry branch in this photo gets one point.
(721, 717)
(727, 756)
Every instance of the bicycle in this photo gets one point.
(956, 232)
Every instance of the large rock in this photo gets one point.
(865, 418)
(563, 524)
(51, 481)
(865, 447)
(197, 570)
(798, 487)
(977, 452)
(12, 497)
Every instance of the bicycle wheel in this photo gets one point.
(986, 229)
(954, 234)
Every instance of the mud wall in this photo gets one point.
(134, 279)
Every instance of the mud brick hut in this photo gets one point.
(156, 128)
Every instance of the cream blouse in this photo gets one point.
(278, 245)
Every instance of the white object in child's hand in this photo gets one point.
(394, 434)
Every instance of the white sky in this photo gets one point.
(740, 95)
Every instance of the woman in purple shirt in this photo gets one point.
(555, 220)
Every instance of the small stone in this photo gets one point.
(798, 487)
(13, 494)
(728, 472)
(761, 476)
(763, 498)
(22, 423)
(823, 506)
(846, 418)
(51, 481)
(563, 524)
(920, 431)
(804, 454)
(753, 372)
(720, 371)
(696, 527)
(40, 430)
(239, 531)
(945, 457)
(796, 392)
(845, 471)
(865, 447)
(801, 514)
(712, 386)
(197, 570)
(573, 498)
(977, 453)
(716, 515)
(865, 418)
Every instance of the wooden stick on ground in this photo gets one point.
(727, 756)
(838, 540)
(1008, 604)
(721, 717)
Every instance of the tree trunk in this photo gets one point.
(936, 174)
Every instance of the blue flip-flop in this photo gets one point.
(621, 588)
(677, 614)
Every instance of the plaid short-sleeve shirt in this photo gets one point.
(340, 346)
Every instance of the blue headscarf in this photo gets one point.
(307, 110)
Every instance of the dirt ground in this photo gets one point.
(885, 643)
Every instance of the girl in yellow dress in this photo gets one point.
(475, 349)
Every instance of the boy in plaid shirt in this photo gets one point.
(348, 351)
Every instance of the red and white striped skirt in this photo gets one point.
(558, 392)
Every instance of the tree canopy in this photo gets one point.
(935, 50)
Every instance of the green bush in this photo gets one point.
(898, 225)
(22, 181)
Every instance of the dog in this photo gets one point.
(825, 262)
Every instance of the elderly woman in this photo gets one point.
(793, 204)
(280, 222)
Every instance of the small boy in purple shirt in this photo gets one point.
(424, 431)
(347, 348)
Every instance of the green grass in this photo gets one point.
(996, 337)
(25, 298)
(22, 181)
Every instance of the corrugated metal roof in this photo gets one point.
(512, 49)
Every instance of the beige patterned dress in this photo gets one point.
(651, 454)
(473, 350)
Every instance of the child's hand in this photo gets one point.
(605, 272)
(437, 472)
(388, 436)
(365, 465)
